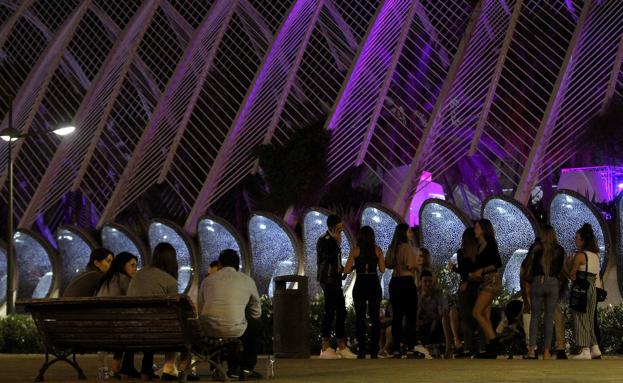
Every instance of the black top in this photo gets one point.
(328, 259)
(367, 261)
(489, 256)
(464, 265)
(85, 284)
(534, 262)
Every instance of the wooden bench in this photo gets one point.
(71, 326)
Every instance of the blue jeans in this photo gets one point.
(543, 299)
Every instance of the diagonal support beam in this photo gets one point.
(34, 89)
(614, 76)
(426, 146)
(93, 113)
(530, 170)
(480, 125)
(172, 114)
(362, 95)
(8, 25)
(261, 107)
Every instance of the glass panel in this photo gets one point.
(272, 250)
(74, 253)
(117, 241)
(214, 238)
(441, 230)
(567, 214)
(34, 267)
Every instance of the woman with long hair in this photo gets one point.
(468, 290)
(402, 291)
(159, 279)
(115, 283)
(87, 282)
(586, 266)
(544, 272)
(488, 262)
(368, 260)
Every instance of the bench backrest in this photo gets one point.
(114, 324)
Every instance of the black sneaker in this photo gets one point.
(561, 354)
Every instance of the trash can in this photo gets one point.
(291, 317)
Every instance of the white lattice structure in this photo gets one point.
(171, 96)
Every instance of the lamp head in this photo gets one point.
(10, 134)
(64, 130)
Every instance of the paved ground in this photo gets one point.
(23, 368)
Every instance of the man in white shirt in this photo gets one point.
(229, 307)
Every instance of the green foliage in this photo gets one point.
(296, 170)
(18, 335)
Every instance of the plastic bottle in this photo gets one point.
(102, 371)
(270, 366)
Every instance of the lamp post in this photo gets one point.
(10, 135)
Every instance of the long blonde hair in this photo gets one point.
(547, 244)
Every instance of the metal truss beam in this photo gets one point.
(530, 171)
(426, 146)
(496, 77)
(262, 106)
(94, 111)
(8, 25)
(34, 89)
(170, 118)
(361, 97)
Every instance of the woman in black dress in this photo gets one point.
(368, 260)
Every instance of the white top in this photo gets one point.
(593, 263)
(224, 297)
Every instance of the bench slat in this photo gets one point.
(106, 323)
(165, 337)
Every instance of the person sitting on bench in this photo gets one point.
(87, 282)
(229, 307)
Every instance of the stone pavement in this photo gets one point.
(23, 368)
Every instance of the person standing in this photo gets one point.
(544, 272)
(329, 274)
(402, 291)
(586, 266)
(488, 262)
(368, 259)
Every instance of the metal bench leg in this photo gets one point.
(58, 358)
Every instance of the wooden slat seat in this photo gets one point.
(71, 326)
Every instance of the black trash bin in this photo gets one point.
(291, 317)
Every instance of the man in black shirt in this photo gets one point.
(329, 275)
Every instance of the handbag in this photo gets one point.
(578, 296)
(601, 294)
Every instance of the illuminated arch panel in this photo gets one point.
(568, 211)
(74, 247)
(275, 250)
(118, 238)
(383, 221)
(35, 260)
(215, 235)
(166, 231)
(314, 226)
(515, 230)
(441, 227)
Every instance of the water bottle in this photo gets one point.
(270, 366)
(102, 371)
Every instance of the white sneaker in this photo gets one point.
(329, 353)
(584, 355)
(346, 353)
(421, 349)
(595, 352)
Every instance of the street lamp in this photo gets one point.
(10, 135)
